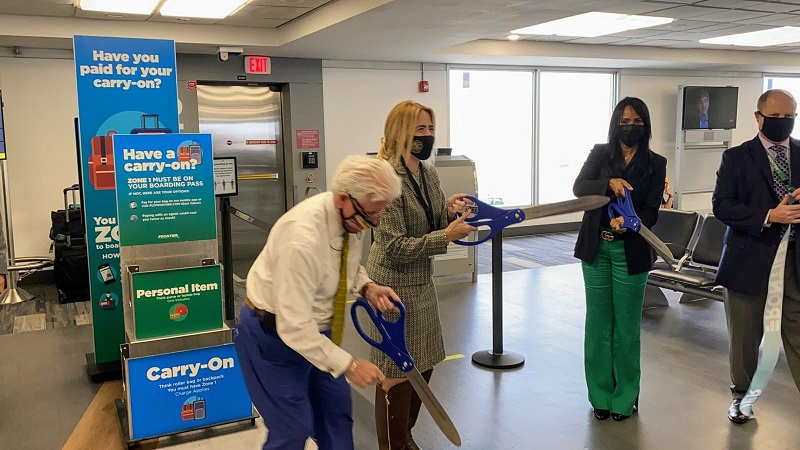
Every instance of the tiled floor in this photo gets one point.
(541, 405)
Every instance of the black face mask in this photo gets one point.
(630, 134)
(422, 147)
(777, 129)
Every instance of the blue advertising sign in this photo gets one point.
(121, 83)
(165, 188)
(186, 390)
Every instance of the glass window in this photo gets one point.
(791, 84)
(574, 111)
(491, 122)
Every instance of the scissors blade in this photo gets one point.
(433, 406)
(586, 203)
(660, 247)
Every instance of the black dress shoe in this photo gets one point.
(602, 414)
(619, 417)
(735, 414)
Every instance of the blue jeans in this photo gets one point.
(296, 399)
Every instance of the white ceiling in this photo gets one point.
(448, 31)
(257, 13)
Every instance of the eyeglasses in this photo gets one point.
(371, 218)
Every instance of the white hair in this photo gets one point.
(368, 179)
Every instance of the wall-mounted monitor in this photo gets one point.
(710, 107)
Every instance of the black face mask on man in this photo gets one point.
(422, 147)
(776, 129)
(630, 134)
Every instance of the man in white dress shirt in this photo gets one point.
(291, 364)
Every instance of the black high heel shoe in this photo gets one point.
(621, 417)
(602, 414)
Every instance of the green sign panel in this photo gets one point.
(166, 303)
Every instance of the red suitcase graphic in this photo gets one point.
(101, 162)
(183, 154)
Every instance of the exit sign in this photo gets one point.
(257, 64)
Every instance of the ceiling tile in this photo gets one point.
(686, 12)
(772, 7)
(685, 25)
(597, 40)
(733, 15)
(549, 38)
(295, 3)
(32, 8)
(727, 4)
(640, 33)
(81, 14)
(272, 12)
(788, 21)
(769, 19)
(244, 20)
(635, 8)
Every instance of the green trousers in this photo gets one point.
(612, 341)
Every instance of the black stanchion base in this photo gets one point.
(505, 360)
(103, 372)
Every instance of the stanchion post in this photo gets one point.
(497, 357)
(227, 257)
(12, 294)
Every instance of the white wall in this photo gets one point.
(357, 100)
(40, 104)
(659, 90)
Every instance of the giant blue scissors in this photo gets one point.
(623, 206)
(483, 214)
(394, 345)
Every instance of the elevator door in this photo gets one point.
(245, 122)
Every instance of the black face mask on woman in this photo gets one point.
(630, 134)
(422, 147)
(777, 129)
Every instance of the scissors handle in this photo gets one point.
(496, 219)
(393, 334)
(623, 206)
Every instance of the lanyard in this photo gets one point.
(426, 206)
(782, 176)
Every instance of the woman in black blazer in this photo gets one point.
(616, 260)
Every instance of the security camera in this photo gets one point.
(223, 53)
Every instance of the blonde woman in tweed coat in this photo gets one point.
(412, 229)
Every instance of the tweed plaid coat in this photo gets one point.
(401, 257)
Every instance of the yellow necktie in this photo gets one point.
(337, 327)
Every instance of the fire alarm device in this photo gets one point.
(423, 86)
(258, 65)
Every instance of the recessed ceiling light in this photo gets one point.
(763, 38)
(594, 24)
(141, 7)
(217, 9)
(513, 37)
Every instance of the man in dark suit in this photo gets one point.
(753, 196)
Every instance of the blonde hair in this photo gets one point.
(367, 179)
(398, 132)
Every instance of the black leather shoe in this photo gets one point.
(735, 414)
(602, 414)
(619, 417)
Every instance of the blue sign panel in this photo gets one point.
(186, 390)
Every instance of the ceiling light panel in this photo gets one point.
(763, 38)
(216, 9)
(140, 7)
(594, 24)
